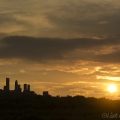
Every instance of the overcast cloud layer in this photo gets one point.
(54, 18)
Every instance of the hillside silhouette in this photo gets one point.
(38, 107)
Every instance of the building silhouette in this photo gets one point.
(7, 87)
(28, 87)
(46, 94)
(17, 87)
(25, 88)
(7, 84)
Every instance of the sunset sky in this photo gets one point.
(67, 47)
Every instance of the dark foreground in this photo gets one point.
(36, 107)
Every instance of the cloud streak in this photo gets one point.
(40, 49)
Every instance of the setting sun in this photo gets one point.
(112, 88)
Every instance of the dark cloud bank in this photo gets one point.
(40, 49)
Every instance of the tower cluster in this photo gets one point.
(17, 88)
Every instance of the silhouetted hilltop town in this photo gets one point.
(18, 90)
(25, 104)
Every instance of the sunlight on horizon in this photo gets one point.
(112, 88)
